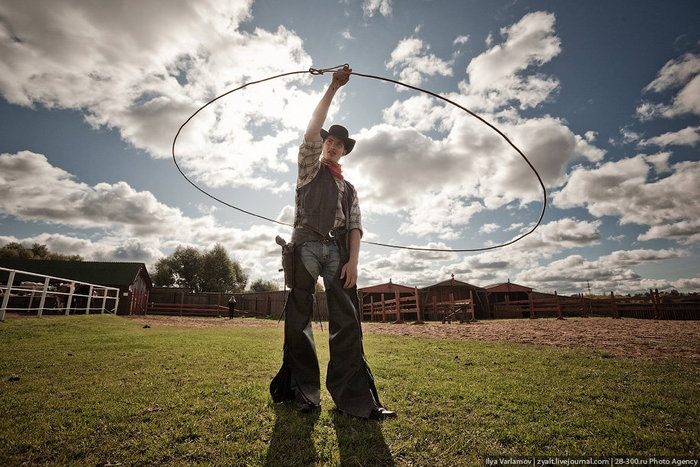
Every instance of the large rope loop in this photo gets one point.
(321, 71)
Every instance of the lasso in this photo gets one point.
(315, 71)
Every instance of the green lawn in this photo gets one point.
(101, 390)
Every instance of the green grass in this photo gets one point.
(99, 390)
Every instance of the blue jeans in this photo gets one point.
(320, 259)
(348, 379)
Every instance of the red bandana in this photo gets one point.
(334, 167)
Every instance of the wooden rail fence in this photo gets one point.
(653, 307)
(391, 309)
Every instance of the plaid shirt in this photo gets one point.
(309, 165)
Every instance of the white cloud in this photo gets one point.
(559, 235)
(144, 78)
(687, 231)
(135, 226)
(683, 73)
(689, 136)
(660, 162)
(411, 57)
(461, 40)
(610, 272)
(621, 189)
(370, 7)
(497, 74)
(675, 73)
(489, 228)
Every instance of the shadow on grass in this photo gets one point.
(360, 442)
(292, 442)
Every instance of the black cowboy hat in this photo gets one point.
(341, 133)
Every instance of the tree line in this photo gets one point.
(210, 271)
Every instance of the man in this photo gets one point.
(326, 239)
(231, 307)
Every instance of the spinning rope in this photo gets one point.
(314, 71)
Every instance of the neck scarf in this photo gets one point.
(334, 167)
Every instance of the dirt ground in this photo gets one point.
(637, 338)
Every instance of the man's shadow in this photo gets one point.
(292, 442)
(360, 442)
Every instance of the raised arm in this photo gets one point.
(313, 131)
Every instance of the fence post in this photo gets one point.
(556, 297)
(471, 299)
(104, 301)
(584, 313)
(616, 314)
(532, 306)
(88, 304)
(182, 301)
(43, 298)
(383, 310)
(415, 294)
(398, 308)
(6, 297)
(371, 308)
(434, 306)
(69, 300)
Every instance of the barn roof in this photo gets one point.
(507, 287)
(455, 283)
(112, 274)
(388, 287)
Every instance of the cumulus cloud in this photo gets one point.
(135, 226)
(610, 272)
(689, 136)
(682, 74)
(622, 189)
(562, 234)
(144, 78)
(465, 167)
(498, 74)
(370, 7)
(414, 63)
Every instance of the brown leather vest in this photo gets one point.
(316, 203)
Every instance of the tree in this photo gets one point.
(211, 271)
(263, 286)
(14, 250)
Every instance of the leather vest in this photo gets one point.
(316, 203)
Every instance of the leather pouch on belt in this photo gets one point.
(287, 261)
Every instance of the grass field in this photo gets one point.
(103, 390)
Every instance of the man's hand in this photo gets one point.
(349, 272)
(341, 77)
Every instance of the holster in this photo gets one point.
(287, 261)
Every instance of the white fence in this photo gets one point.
(54, 294)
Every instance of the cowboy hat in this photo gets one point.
(341, 133)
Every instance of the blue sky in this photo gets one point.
(602, 96)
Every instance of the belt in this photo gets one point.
(330, 237)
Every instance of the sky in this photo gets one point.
(603, 97)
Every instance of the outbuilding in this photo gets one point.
(373, 302)
(453, 289)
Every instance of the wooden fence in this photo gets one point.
(391, 309)
(401, 309)
(654, 306)
(394, 308)
(54, 295)
(178, 302)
